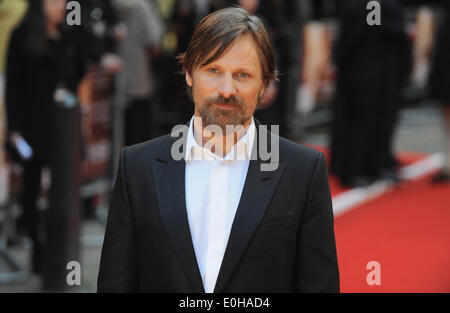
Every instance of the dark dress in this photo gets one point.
(31, 80)
(371, 62)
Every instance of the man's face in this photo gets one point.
(227, 91)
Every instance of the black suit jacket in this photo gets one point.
(282, 237)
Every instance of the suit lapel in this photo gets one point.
(258, 190)
(169, 179)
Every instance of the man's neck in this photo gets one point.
(220, 145)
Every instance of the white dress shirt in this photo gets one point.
(213, 190)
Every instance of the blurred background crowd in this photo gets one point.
(72, 95)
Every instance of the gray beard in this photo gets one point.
(222, 118)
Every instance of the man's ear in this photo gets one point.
(188, 79)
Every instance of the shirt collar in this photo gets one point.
(240, 151)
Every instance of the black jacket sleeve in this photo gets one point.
(118, 264)
(316, 260)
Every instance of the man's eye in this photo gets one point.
(243, 75)
(213, 70)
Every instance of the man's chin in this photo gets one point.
(225, 107)
(232, 125)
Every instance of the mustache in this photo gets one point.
(233, 101)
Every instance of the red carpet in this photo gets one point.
(406, 230)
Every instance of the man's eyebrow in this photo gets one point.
(249, 68)
(246, 69)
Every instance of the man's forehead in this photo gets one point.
(242, 52)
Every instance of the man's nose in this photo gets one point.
(226, 86)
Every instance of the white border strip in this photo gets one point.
(351, 198)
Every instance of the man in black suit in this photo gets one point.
(225, 216)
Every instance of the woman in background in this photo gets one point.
(372, 63)
(43, 56)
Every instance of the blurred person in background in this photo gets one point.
(186, 15)
(372, 63)
(440, 83)
(101, 30)
(141, 43)
(43, 57)
(11, 12)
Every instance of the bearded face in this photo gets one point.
(227, 91)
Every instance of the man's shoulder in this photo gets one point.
(157, 148)
(295, 152)
(300, 161)
(289, 151)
